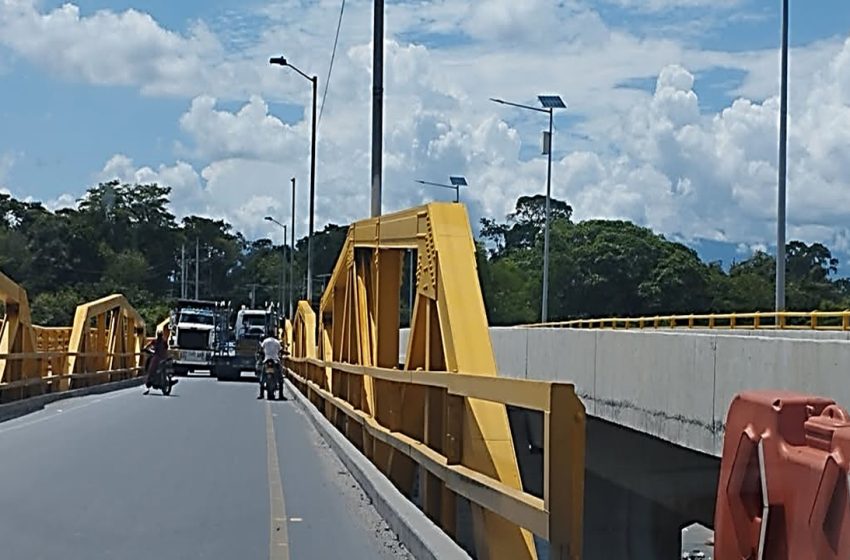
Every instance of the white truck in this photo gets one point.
(193, 335)
(252, 326)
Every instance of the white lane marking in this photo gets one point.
(278, 537)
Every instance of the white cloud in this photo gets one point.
(185, 182)
(128, 48)
(660, 5)
(250, 133)
(660, 158)
(714, 176)
(61, 202)
(670, 165)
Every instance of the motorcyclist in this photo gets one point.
(160, 353)
(270, 349)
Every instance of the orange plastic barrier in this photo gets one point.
(783, 491)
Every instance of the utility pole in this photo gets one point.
(197, 265)
(183, 271)
(291, 249)
(783, 165)
(377, 106)
(282, 270)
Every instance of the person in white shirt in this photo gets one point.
(271, 351)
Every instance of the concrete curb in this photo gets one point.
(17, 409)
(423, 539)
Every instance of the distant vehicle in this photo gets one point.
(193, 334)
(693, 555)
(230, 359)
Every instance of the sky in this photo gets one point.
(671, 120)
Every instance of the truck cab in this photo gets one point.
(252, 324)
(193, 334)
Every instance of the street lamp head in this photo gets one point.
(494, 100)
(269, 219)
(279, 60)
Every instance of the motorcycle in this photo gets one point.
(272, 380)
(163, 378)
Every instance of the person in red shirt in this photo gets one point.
(160, 353)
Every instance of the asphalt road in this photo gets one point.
(190, 476)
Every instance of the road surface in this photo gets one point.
(207, 473)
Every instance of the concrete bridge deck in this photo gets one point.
(122, 475)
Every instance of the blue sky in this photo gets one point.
(179, 92)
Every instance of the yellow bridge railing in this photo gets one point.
(104, 344)
(785, 320)
(437, 425)
(556, 517)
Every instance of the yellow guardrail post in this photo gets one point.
(563, 475)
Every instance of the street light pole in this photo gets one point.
(291, 250)
(549, 103)
(283, 258)
(281, 61)
(783, 165)
(544, 313)
(456, 183)
(312, 199)
(377, 106)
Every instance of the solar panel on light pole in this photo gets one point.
(457, 181)
(549, 103)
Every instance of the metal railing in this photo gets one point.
(337, 390)
(785, 320)
(104, 343)
(52, 375)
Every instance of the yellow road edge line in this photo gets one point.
(278, 536)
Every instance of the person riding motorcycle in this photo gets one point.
(160, 354)
(270, 349)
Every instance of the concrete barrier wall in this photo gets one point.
(675, 385)
(805, 334)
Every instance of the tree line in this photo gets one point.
(612, 268)
(122, 238)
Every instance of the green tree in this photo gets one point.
(524, 228)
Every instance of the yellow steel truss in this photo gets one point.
(359, 324)
(17, 335)
(104, 344)
(108, 334)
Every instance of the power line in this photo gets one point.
(333, 56)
